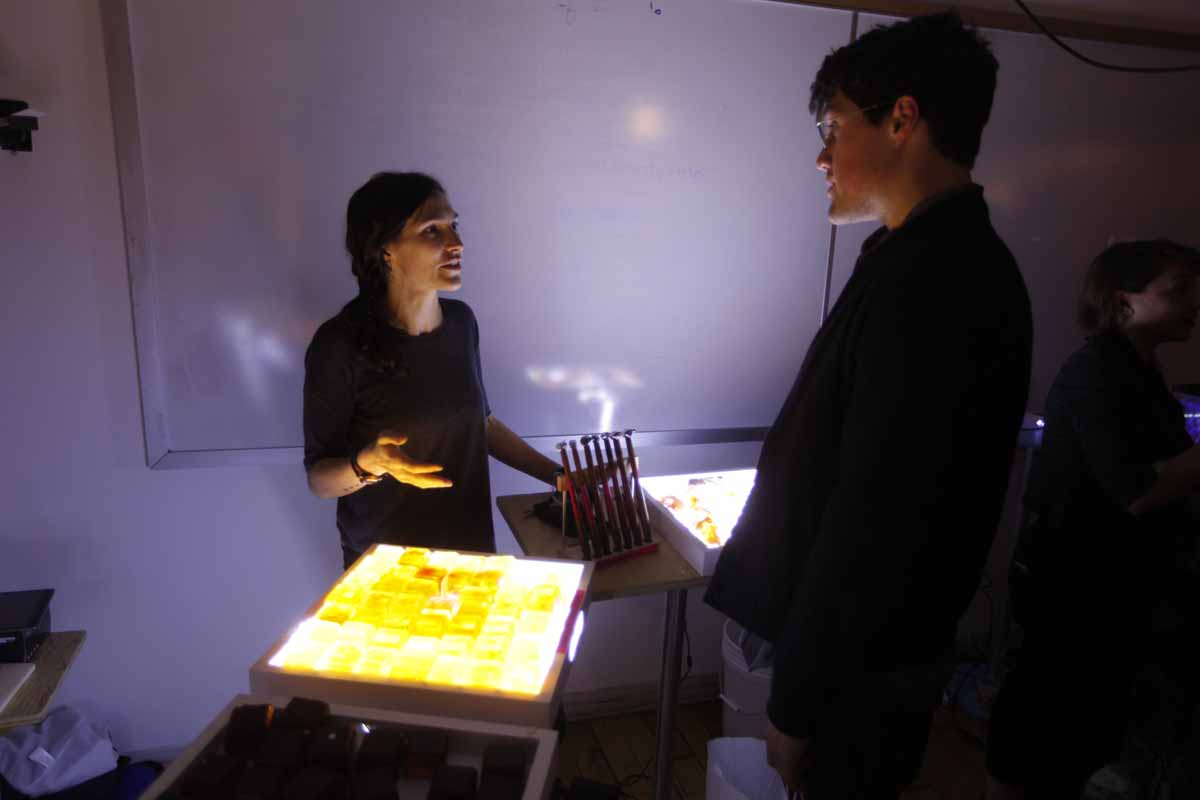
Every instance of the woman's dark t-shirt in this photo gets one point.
(429, 389)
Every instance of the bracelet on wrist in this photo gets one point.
(363, 476)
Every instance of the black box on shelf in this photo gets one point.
(24, 624)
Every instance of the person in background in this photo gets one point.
(397, 425)
(881, 482)
(1109, 532)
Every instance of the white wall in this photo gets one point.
(181, 578)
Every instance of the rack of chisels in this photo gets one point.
(604, 494)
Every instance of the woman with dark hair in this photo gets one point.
(1109, 528)
(396, 420)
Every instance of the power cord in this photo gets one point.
(688, 641)
(643, 774)
(1100, 64)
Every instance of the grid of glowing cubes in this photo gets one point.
(709, 505)
(439, 617)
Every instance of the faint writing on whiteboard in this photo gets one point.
(653, 171)
(568, 11)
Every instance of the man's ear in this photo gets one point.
(905, 116)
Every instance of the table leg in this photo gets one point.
(668, 689)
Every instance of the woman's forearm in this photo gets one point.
(333, 477)
(508, 448)
(1177, 478)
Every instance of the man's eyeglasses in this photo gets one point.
(827, 128)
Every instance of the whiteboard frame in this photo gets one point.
(127, 141)
(151, 381)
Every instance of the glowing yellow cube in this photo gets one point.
(390, 637)
(542, 598)
(451, 645)
(504, 609)
(305, 655)
(417, 556)
(411, 668)
(526, 649)
(450, 671)
(376, 662)
(422, 586)
(488, 579)
(369, 617)
(533, 622)
(392, 582)
(445, 559)
(405, 606)
(499, 626)
(377, 601)
(458, 580)
(342, 657)
(475, 595)
(486, 675)
(335, 612)
(356, 632)
(466, 625)
(490, 648)
(430, 625)
(444, 605)
(317, 630)
(470, 563)
(522, 678)
(346, 595)
(432, 573)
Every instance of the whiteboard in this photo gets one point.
(646, 243)
(645, 228)
(1072, 158)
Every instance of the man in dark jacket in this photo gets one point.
(881, 482)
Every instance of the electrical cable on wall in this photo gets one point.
(1100, 64)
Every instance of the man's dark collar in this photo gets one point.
(941, 198)
(923, 209)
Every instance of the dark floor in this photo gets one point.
(621, 749)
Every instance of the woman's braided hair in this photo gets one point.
(375, 215)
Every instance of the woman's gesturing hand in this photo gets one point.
(386, 457)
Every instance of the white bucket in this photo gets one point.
(743, 693)
(738, 770)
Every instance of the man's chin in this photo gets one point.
(839, 215)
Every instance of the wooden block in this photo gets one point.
(465, 736)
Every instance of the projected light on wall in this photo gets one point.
(647, 124)
(258, 351)
(601, 386)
